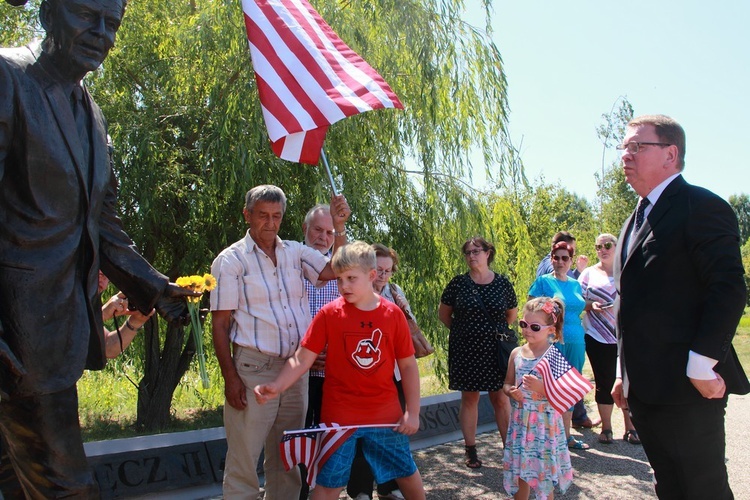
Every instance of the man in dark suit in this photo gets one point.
(58, 227)
(679, 275)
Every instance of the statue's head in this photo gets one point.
(80, 33)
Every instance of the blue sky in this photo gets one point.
(568, 62)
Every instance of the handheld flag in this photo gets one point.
(313, 448)
(563, 384)
(307, 77)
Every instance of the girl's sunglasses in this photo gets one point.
(535, 327)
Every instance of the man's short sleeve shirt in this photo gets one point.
(269, 304)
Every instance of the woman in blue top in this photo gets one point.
(559, 284)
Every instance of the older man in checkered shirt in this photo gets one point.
(260, 312)
(319, 234)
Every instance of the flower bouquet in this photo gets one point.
(200, 284)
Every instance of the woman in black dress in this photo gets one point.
(476, 306)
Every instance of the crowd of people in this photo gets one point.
(586, 310)
(314, 332)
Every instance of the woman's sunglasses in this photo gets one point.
(563, 258)
(606, 245)
(535, 327)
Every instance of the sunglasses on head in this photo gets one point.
(535, 327)
(563, 258)
(606, 245)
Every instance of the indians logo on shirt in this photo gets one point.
(367, 351)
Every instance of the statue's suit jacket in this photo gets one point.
(681, 288)
(56, 231)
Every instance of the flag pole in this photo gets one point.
(328, 171)
(338, 428)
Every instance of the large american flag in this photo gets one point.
(313, 448)
(308, 78)
(563, 384)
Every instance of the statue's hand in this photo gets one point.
(172, 305)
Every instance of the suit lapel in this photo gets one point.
(100, 153)
(621, 250)
(660, 208)
(60, 104)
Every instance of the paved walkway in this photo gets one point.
(615, 471)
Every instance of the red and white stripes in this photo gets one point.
(308, 78)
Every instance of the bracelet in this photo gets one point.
(340, 233)
(128, 325)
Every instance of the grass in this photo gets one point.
(742, 341)
(108, 398)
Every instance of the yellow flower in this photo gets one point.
(209, 282)
(199, 284)
(183, 281)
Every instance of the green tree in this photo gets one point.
(548, 209)
(19, 24)
(616, 198)
(180, 97)
(741, 205)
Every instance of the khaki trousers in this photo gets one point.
(258, 426)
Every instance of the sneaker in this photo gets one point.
(393, 495)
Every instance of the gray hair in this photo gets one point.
(265, 192)
(320, 207)
(668, 131)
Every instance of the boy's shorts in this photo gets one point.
(385, 450)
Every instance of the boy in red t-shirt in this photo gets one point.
(366, 337)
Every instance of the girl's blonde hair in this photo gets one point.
(552, 307)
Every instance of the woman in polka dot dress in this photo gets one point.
(474, 306)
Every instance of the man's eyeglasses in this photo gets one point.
(385, 272)
(563, 258)
(535, 327)
(636, 147)
(606, 245)
(473, 252)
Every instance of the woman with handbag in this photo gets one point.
(387, 259)
(478, 307)
(361, 478)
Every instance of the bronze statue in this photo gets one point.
(58, 227)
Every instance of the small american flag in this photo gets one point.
(313, 448)
(563, 384)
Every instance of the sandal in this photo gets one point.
(606, 436)
(631, 436)
(577, 444)
(472, 462)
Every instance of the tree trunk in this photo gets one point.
(164, 367)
